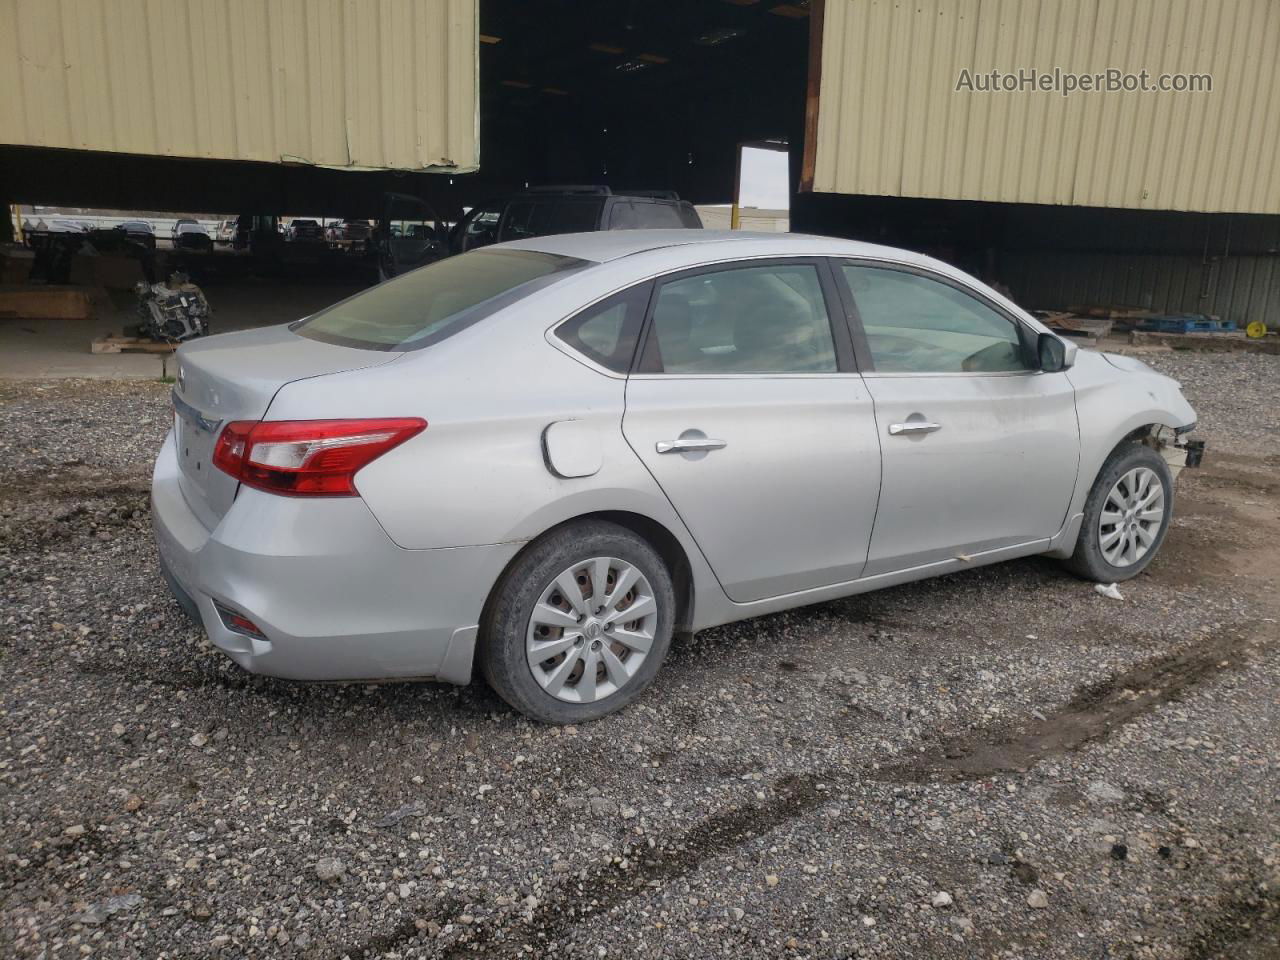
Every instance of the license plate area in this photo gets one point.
(195, 435)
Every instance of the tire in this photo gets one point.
(554, 690)
(1096, 556)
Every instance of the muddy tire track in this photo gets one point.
(607, 885)
(1093, 714)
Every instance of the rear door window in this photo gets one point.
(770, 318)
(540, 217)
(575, 216)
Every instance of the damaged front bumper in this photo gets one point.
(1178, 451)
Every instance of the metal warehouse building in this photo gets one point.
(1167, 200)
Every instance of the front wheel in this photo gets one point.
(579, 625)
(1125, 516)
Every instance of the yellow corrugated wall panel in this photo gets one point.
(340, 83)
(891, 122)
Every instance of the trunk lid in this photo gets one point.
(234, 376)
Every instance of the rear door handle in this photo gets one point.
(913, 426)
(690, 445)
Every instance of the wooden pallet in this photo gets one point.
(113, 344)
(1069, 324)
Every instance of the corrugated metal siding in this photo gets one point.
(890, 121)
(1239, 288)
(340, 83)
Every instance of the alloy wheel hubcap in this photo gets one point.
(1131, 517)
(591, 629)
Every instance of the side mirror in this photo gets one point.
(1054, 353)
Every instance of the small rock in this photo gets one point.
(868, 921)
(404, 891)
(964, 923)
(1025, 873)
(771, 880)
(199, 740)
(76, 830)
(1103, 792)
(99, 912)
(1119, 851)
(738, 913)
(941, 899)
(600, 806)
(118, 729)
(996, 858)
(1037, 900)
(629, 813)
(330, 868)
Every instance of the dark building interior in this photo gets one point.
(659, 95)
(620, 92)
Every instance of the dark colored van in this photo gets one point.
(570, 209)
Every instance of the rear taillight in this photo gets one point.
(308, 458)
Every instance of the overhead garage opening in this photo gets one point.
(634, 94)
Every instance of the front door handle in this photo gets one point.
(913, 426)
(689, 445)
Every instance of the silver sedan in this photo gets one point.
(549, 458)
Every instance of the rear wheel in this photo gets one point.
(579, 625)
(1125, 517)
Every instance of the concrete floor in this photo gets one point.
(44, 349)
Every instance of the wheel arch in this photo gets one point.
(655, 533)
(1137, 430)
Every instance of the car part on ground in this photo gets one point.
(174, 311)
(761, 422)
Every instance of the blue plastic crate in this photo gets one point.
(1187, 323)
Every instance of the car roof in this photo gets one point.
(605, 245)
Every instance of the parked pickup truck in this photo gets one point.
(348, 234)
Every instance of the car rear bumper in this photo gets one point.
(334, 598)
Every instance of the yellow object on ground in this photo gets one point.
(1257, 329)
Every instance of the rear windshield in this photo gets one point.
(433, 302)
(647, 214)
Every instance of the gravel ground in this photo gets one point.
(999, 763)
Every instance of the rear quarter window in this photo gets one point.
(607, 332)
